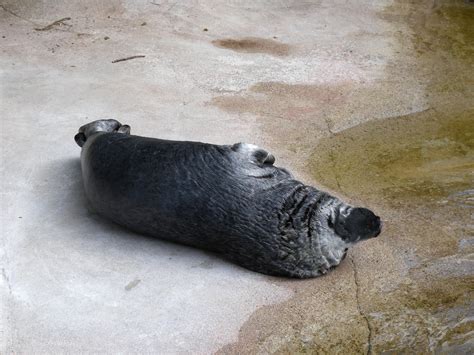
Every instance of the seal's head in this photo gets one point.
(338, 227)
(94, 127)
(353, 224)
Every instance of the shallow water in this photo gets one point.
(422, 158)
(417, 171)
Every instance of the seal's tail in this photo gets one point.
(109, 126)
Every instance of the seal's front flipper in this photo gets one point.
(255, 154)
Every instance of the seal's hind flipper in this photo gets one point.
(80, 139)
(103, 126)
(256, 154)
(125, 129)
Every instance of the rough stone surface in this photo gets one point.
(286, 75)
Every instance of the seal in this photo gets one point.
(228, 199)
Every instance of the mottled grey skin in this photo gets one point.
(228, 199)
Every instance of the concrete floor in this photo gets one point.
(280, 74)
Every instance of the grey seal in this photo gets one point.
(228, 199)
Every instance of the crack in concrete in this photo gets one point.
(331, 156)
(336, 177)
(7, 281)
(359, 308)
(13, 330)
(328, 124)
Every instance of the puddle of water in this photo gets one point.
(456, 34)
(425, 158)
(418, 170)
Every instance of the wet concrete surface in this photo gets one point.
(371, 100)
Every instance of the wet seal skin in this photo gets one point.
(229, 199)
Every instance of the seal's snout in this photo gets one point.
(356, 224)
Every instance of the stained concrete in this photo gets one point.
(288, 75)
